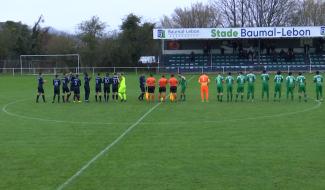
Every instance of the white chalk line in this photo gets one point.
(5, 110)
(237, 119)
(101, 153)
(78, 173)
(5, 107)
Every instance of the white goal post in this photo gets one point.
(50, 55)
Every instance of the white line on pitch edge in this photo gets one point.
(101, 153)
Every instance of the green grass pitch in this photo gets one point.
(184, 145)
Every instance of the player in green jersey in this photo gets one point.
(301, 81)
(291, 83)
(183, 84)
(251, 78)
(219, 81)
(229, 82)
(265, 85)
(122, 88)
(318, 80)
(241, 79)
(278, 79)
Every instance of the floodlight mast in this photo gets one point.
(51, 55)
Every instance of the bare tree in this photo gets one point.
(199, 15)
(310, 12)
(240, 13)
(233, 11)
(167, 22)
(269, 12)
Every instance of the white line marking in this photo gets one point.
(239, 119)
(5, 107)
(80, 171)
(101, 153)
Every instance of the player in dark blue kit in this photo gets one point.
(76, 87)
(71, 79)
(98, 83)
(56, 85)
(142, 81)
(87, 87)
(65, 89)
(115, 83)
(107, 86)
(40, 89)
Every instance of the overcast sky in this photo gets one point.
(65, 15)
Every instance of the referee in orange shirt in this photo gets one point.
(162, 88)
(151, 85)
(173, 83)
(204, 81)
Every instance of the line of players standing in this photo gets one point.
(73, 80)
(148, 86)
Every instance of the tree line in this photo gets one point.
(124, 47)
(248, 13)
(96, 46)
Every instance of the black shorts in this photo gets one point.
(115, 89)
(107, 89)
(151, 89)
(76, 90)
(162, 89)
(56, 91)
(72, 88)
(143, 89)
(173, 89)
(98, 89)
(87, 89)
(65, 89)
(40, 90)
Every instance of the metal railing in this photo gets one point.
(175, 69)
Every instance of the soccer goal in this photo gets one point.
(49, 64)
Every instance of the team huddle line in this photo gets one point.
(290, 81)
(117, 85)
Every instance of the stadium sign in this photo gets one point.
(233, 33)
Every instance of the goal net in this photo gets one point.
(49, 64)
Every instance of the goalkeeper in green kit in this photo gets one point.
(291, 81)
(251, 78)
(278, 79)
(122, 88)
(219, 81)
(301, 81)
(229, 82)
(265, 85)
(318, 80)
